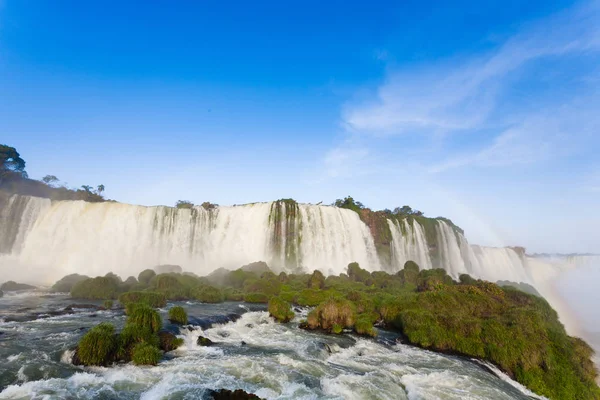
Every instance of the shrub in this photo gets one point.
(256, 298)
(332, 312)
(98, 288)
(311, 297)
(280, 310)
(177, 315)
(317, 280)
(144, 317)
(231, 294)
(151, 299)
(364, 326)
(145, 276)
(98, 346)
(209, 294)
(108, 304)
(145, 354)
(65, 284)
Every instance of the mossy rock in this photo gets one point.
(203, 341)
(209, 294)
(168, 341)
(332, 315)
(280, 310)
(177, 315)
(364, 326)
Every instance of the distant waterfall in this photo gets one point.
(46, 240)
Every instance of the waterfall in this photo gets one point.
(409, 243)
(40, 238)
(47, 239)
(332, 237)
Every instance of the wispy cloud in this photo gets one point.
(461, 95)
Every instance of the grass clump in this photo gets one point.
(98, 346)
(151, 299)
(145, 317)
(177, 315)
(332, 315)
(108, 304)
(364, 326)
(280, 310)
(145, 354)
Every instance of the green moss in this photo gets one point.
(145, 276)
(151, 299)
(98, 346)
(177, 315)
(311, 297)
(145, 354)
(280, 309)
(316, 280)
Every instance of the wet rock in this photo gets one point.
(223, 334)
(243, 343)
(238, 394)
(75, 359)
(72, 307)
(250, 326)
(168, 341)
(202, 341)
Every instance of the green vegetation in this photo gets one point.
(333, 315)
(14, 180)
(516, 331)
(280, 309)
(151, 299)
(99, 288)
(108, 304)
(177, 315)
(145, 354)
(97, 347)
(145, 276)
(65, 284)
(184, 204)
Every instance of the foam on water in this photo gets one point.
(276, 361)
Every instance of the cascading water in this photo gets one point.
(46, 240)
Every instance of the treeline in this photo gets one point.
(518, 332)
(15, 180)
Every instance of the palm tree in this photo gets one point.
(100, 189)
(87, 188)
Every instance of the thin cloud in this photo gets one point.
(461, 96)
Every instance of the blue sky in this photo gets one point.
(485, 113)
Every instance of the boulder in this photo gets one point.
(238, 394)
(202, 341)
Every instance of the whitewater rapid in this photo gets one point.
(253, 353)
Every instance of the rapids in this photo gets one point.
(274, 361)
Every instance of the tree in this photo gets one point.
(87, 188)
(349, 203)
(50, 180)
(100, 189)
(184, 204)
(11, 163)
